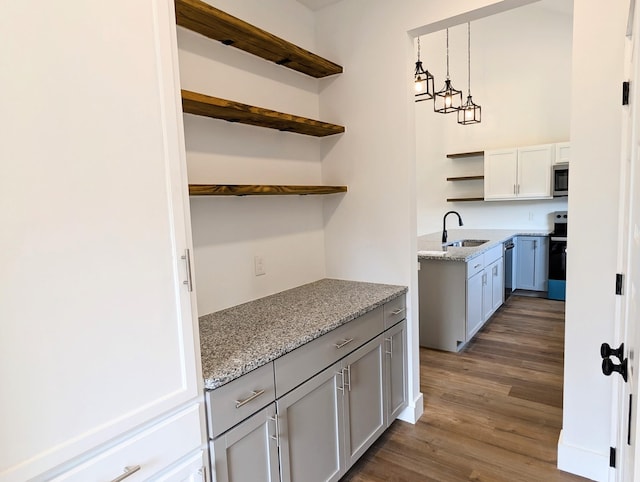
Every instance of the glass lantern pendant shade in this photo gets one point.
(423, 81)
(448, 99)
(469, 113)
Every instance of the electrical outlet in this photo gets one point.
(258, 265)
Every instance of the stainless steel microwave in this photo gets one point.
(560, 179)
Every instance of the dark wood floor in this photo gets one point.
(492, 412)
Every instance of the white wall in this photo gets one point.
(593, 209)
(228, 232)
(521, 76)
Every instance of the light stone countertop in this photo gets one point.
(430, 245)
(242, 338)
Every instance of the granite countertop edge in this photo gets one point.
(230, 370)
(432, 243)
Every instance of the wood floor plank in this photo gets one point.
(493, 412)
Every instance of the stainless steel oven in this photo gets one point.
(560, 180)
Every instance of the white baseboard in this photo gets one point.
(580, 461)
(414, 410)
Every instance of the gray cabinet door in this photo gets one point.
(249, 451)
(395, 344)
(310, 427)
(497, 284)
(364, 417)
(532, 263)
(475, 314)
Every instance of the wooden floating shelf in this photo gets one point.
(271, 190)
(205, 105)
(218, 25)
(465, 178)
(465, 154)
(464, 199)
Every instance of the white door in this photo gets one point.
(96, 327)
(628, 311)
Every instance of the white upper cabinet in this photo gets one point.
(563, 153)
(97, 334)
(518, 173)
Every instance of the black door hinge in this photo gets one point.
(619, 280)
(612, 457)
(625, 93)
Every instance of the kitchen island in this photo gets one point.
(461, 287)
(302, 382)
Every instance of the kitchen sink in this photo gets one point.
(466, 243)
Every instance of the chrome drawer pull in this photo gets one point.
(128, 470)
(255, 394)
(344, 342)
(398, 311)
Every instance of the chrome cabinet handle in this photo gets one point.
(344, 342)
(398, 311)
(277, 434)
(254, 394)
(187, 259)
(128, 470)
(348, 384)
(390, 352)
(341, 373)
(477, 266)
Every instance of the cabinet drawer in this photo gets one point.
(475, 265)
(493, 254)
(152, 450)
(302, 363)
(394, 311)
(235, 401)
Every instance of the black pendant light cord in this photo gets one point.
(469, 56)
(418, 49)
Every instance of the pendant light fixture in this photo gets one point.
(469, 113)
(423, 81)
(448, 99)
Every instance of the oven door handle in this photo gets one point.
(558, 238)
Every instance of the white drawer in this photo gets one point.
(475, 265)
(394, 311)
(232, 403)
(302, 363)
(493, 254)
(153, 450)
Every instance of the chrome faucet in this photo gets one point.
(444, 224)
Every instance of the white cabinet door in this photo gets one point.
(365, 407)
(311, 429)
(497, 284)
(97, 327)
(563, 153)
(500, 174)
(395, 340)
(534, 171)
(475, 314)
(249, 451)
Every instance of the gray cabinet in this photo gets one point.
(364, 400)
(457, 298)
(531, 263)
(310, 420)
(333, 396)
(249, 451)
(395, 344)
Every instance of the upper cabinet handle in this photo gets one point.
(128, 470)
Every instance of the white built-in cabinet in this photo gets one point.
(326, 414)
(563, 153)
(457, 298)
(532, 261)
(98, 348)
(518, 173)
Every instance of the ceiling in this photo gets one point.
(561, 6)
